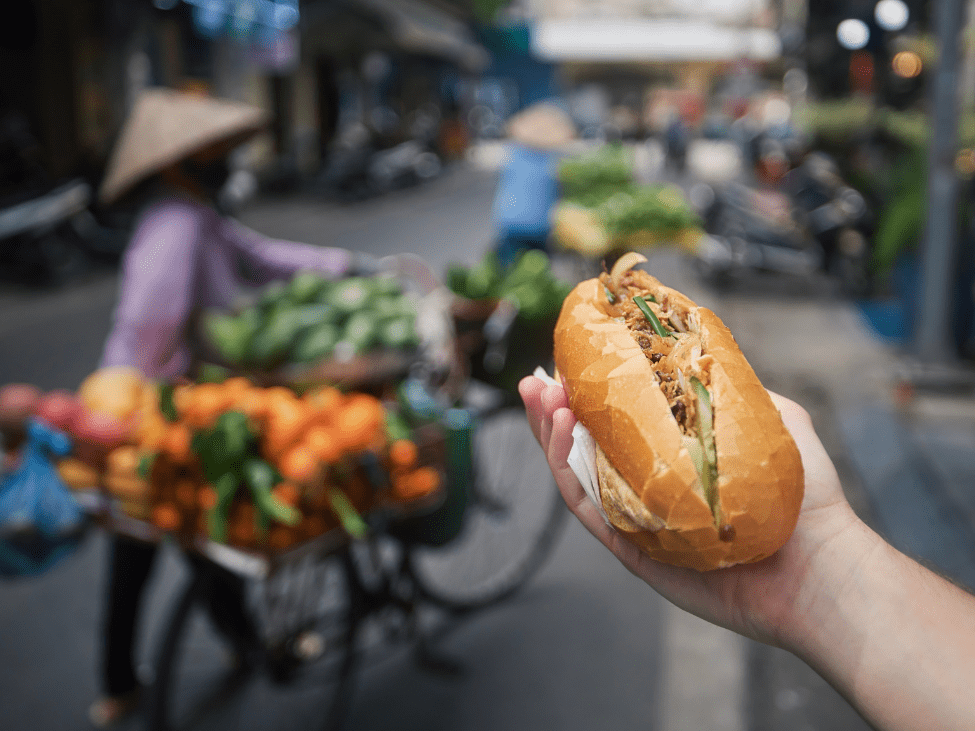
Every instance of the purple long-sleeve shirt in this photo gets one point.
(183, 257)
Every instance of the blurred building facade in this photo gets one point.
(72, 69)
(638, 62)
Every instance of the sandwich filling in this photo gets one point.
(670, 338)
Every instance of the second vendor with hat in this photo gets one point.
(184, 255)
(528, 189)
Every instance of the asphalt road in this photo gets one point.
(579, 649)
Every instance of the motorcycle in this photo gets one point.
(48, 233)
(358, 167)
(815, 223)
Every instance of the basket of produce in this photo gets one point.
(264, 469)
(238, 465)
(604, 210)
(310, 330)
(505, 318)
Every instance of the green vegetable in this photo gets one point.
(260, 478)
(348, 516)
(166, 404)
(361, 330)
(484, 278)
(272, 295)
(276, 338)
(316, 344)
(350, 295)
(144, 470)
(213, 373)
(386, 285)
(652, 318)
(396, 426)
(226, 487)
(591, 178)
(705, 430)
(398, 333)
(230, 335)
(306, 287)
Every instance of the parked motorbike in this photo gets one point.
(37, 242)
(358, 167)
(48, 233)
(815, 223)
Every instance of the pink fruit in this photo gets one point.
(59, 408)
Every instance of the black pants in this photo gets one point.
(130, 565)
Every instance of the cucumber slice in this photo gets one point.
(709, 456)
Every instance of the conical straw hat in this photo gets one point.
(165, 126)
(543, 126)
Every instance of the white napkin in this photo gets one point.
(582, 455)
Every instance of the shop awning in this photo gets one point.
(421, 28)
(612, 40)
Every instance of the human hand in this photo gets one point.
(762, 600)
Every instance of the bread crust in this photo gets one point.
(613, 391)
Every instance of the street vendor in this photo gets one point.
(185, 254)
(528, 190)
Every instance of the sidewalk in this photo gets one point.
(908, 470)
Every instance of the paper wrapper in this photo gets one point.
(582, 455)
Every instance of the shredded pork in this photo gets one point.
(666, 353)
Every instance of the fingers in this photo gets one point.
(822, 482)
(553, 399)
(530, 389)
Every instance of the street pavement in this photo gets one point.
(586, 645)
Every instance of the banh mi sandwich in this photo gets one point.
(693, 461)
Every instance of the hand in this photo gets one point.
(763, 600)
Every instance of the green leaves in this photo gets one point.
(226, 452)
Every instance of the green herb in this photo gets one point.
(145, 466)
(652, 318)
(609, 295)
(353, 523)
(166, 404)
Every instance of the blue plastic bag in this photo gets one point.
(40, 521)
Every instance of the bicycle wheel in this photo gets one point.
(295, 673)
(510, 525)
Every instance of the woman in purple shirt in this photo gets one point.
(183, 256)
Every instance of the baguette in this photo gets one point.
(693, 460)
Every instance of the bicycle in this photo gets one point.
(490, 532)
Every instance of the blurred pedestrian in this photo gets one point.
(184, 255)
(677, 138)
(528, 190)
(892, 637)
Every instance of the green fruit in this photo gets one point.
(316, 344)
(272, 294)
(306, 287)
(361, 330)
(457, 279)
(276, 338)
(385, 307)
(530, 300)
(229, 335)
(387, 285)
(350, 295)
(530, 265)
(398, 333)
(484, 278)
